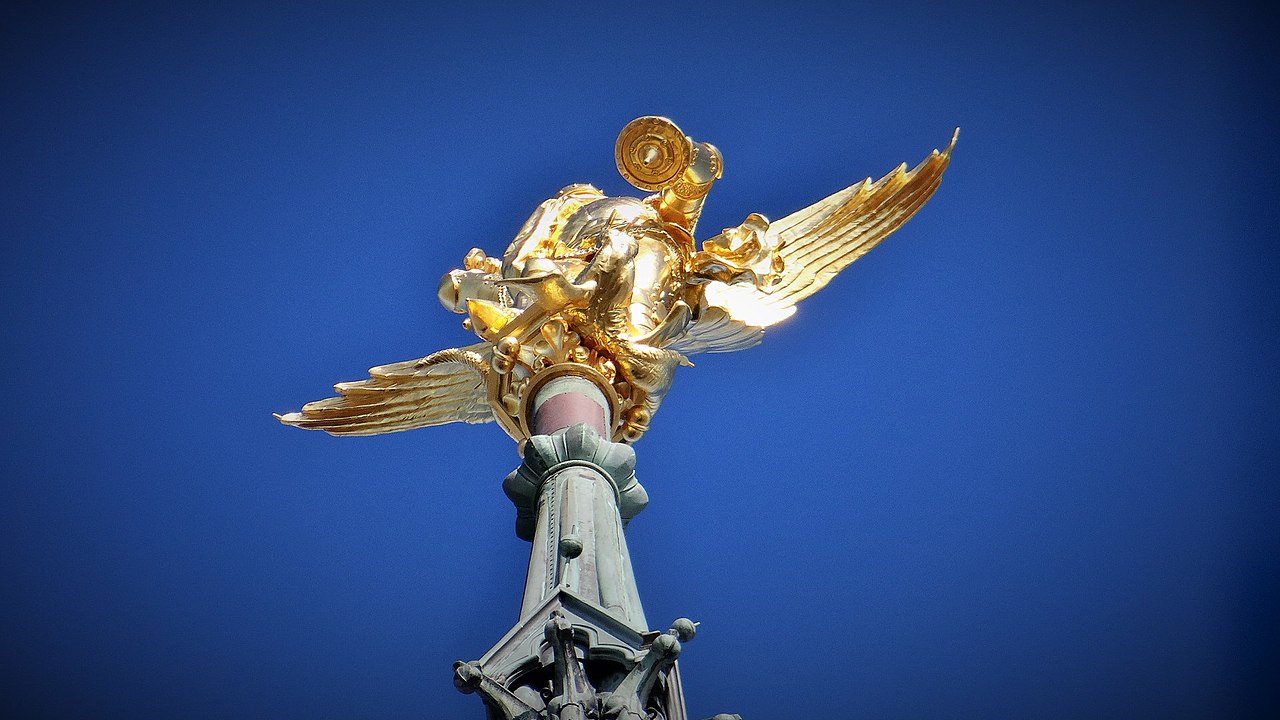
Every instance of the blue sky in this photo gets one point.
(1020, 461)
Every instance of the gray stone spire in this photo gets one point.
(586, 489)
(582, 648)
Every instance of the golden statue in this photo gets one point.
(615, 290)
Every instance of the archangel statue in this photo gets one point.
(617, 291)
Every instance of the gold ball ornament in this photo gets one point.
(508, 347)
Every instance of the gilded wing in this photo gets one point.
(444, 387)
(816, 244)
(718, 328)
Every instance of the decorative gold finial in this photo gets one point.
(614, 290)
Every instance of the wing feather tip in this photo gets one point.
(950, 146)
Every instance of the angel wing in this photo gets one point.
(817, 243)
(443, 387)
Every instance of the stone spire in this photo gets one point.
(582, 648)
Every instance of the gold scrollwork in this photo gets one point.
(686, 190)
(557, 350)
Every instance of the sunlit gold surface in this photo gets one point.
(615, 290)
(652, 153)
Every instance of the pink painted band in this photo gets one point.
(567, 409)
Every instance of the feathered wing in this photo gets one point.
(444, 387)
(719, 328)
(817, 243)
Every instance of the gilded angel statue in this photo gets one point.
(616, 290)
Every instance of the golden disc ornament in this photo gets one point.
(653, 153)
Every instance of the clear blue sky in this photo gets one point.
(1019, 462)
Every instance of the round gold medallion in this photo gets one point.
(652, 152)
